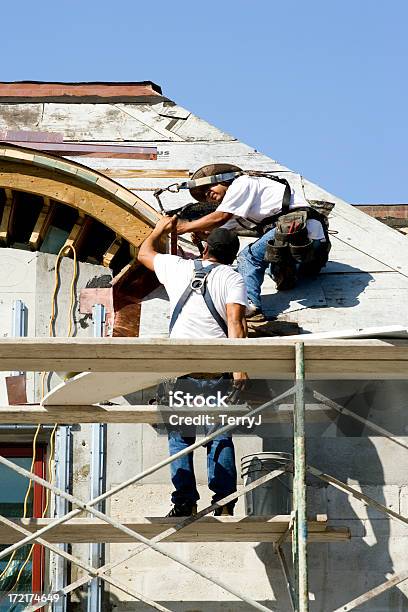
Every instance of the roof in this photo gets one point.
(366, 280)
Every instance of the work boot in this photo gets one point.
(284, 275)
(183, 509)
(253, 313)
(257, 316)
(227, 510)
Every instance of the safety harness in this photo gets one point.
(198, 284)
(316, 210)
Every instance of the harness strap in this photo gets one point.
(285, 204)
(209, 180)
(199, 284)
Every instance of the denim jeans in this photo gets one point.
(221, 470)
(252, 265)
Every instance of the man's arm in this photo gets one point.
(237, 328)
(207, 223)
(150, 247)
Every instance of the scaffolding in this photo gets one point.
(382, 358)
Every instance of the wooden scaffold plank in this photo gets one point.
(149, 414)
(208, 529)
(266, 358)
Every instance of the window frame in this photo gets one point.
(19, 450)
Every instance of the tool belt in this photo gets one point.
(292, 242)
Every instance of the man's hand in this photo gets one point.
(182, 227)
(166, 224)
(204, 224)
(151, 246)
(240, 381)
(197, 237)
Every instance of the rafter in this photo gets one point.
(42, 224)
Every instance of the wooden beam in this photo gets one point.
(150, 414)
(87, 149)
(208, 529)
(7, 217)
(138, 173)
(122, 212)
(111, 251)
(261, 357)
(78, 233)
(42, 224)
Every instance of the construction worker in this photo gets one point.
(294, 239)
(207, 300)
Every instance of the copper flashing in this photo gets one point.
(16, 389)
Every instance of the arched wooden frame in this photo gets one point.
(77, 186)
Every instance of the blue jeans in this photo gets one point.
(252, 264)
(221, 470)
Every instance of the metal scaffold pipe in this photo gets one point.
(299, 486)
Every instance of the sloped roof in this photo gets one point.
(364, 284)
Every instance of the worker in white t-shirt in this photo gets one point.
(207, 300)
(299, 247)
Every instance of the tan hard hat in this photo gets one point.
(198, 193)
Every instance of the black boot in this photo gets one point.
(227, 510)
(284, 275)
(183, 509)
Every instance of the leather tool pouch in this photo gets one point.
(292, 229)
(302, 253)
(276, 254)
(291, 239)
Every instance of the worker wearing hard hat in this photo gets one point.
(293, 241)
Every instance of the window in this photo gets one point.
(13, 490)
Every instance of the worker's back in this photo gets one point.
(195, 320)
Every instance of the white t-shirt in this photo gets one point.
(195, 320)
(256, 197)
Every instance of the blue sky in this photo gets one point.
(320, 86)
